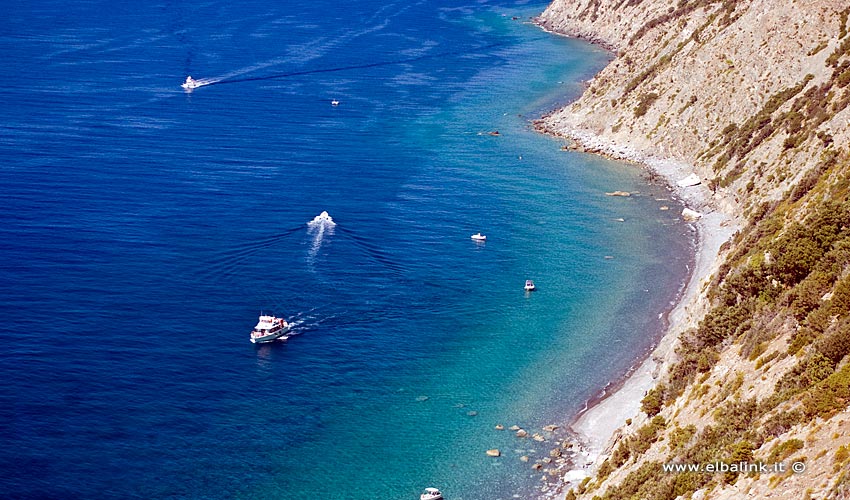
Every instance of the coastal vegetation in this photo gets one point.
(760, 372)
(787, 278)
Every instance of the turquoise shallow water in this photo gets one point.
(154, 225)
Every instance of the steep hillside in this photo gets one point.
(746, 92)
(753, 97)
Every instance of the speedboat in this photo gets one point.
(431, 494)
(269, 329)
(323, 219)
(529, 286)
(478, 237)
(190, 83)
(334, 103)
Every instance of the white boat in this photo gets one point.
(334, 103)
(431, 494)
(323, 219)
(269, 329)
(478, 237)
(529, 286)
(190, 83)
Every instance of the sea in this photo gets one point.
(145, 227)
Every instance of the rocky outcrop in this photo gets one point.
(714, 85)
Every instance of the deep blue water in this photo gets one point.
(143, 228)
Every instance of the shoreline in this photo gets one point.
(601, 424)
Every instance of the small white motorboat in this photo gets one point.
(190, 83)
(323, 219)
(431, 494)
(478, 237)
(334, 103)
(529, 286)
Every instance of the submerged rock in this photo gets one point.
(521, 433)
(618, 193)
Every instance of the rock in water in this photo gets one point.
(494, 453)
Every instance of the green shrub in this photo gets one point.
(736, 416)
(835, 343)
(652, 403)
(784, 450)
(782, 422)
(723, 322)
(644, 103)
(620, 455)
(680, 436)
(829, 396)
(796, 259)
(806, 297)
(818, 367)
(741, 452)
(818, 320)
(841, 454)
(764, 360)
(636, 483)
(840, 302)
(647, 435)
(604, 470)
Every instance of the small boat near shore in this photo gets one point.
(269, 329)
(529, 286)
(431, 494)
(478, 237)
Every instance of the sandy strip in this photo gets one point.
(599, 426)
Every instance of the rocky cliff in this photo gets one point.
(752, 97)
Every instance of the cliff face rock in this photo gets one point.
(754, 98)
(689, 76)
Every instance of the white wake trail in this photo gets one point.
(318, 227)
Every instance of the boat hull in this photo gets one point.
(281, 334)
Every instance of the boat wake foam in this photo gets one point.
(306, 321)
(200, 82)
(320, 225)
(323, 219)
